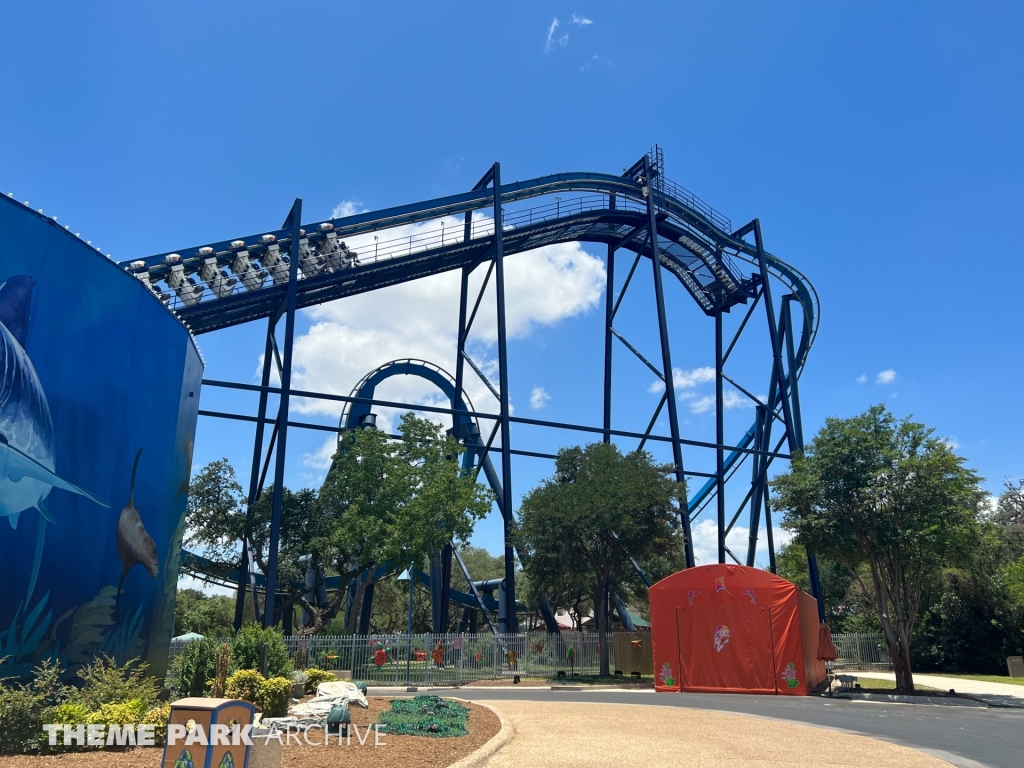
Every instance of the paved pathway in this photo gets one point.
(965, 736)
(996, 693)
(608, 736)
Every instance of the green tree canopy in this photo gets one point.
(580, 527)
(399, 501)
(209, 615)
(383, 501)
(883, 492)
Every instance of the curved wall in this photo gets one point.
(99, 382)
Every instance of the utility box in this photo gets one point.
(196, 713)
(1015, 665)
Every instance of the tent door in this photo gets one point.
(726, 647)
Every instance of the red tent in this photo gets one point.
(734, 629)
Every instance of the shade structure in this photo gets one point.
(730, 628)
(826, 648)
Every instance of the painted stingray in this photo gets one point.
(27, 452)
(134, 544)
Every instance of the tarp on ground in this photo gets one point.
(729, 628)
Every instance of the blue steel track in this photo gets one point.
(272, 274)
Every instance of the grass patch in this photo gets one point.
(426, 716)
(983, 678)
(873, 684)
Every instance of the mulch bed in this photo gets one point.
(395, 752)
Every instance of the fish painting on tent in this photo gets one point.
(28, 468)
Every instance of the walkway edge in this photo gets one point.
(483, 754)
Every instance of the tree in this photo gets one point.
(383, 501)
(600, 507)
(209, 615)
(876, 491)
(215, 516)
(216, 523)
(398, 502)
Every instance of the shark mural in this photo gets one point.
(99, 396)
(27, 454)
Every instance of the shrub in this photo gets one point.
(21, 721)
(223, 666)
(192, 668)
(121, 712)
(104, 682)
(272, 697)
(158, 717)
(68, 713)
(316, 676)
(23, 707)
(245, 684)
(246, 647)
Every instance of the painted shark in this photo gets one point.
(27, 464)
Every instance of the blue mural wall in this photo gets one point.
(99, 394)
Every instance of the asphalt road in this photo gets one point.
(990, 737)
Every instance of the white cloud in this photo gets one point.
(705, 542)
(350, 337)
(887, 376)
(730, 399)
(323, 456)
(581, 20)
(539, 398)
(950, 442)
(550, 42)
(685, 383)
(683, 380)
(585, 67)
(347, 208)
(862, 379)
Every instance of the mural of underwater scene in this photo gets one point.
(99, 394)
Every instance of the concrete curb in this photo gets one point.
(895, 698)
(483, 754)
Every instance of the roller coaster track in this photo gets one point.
(235, 281)
(243, 279)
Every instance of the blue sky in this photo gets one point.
(879, 145)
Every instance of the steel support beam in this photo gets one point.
(255, 487)
(294, 219)
(609, 297)
(719, 437)
(666, 359)
(512, 625)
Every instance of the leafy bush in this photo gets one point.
(23, 708)
(272, 697)
(128, 712)
(192, 668)
(245, 684)
(158, 717)
(21, 721)
(223, 668)
(316, 676)
(246, 647)
(104, 682)
(68, 713)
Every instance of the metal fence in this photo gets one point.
(861, 651)
(451, 659)
(448, 659)
(428, 659)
